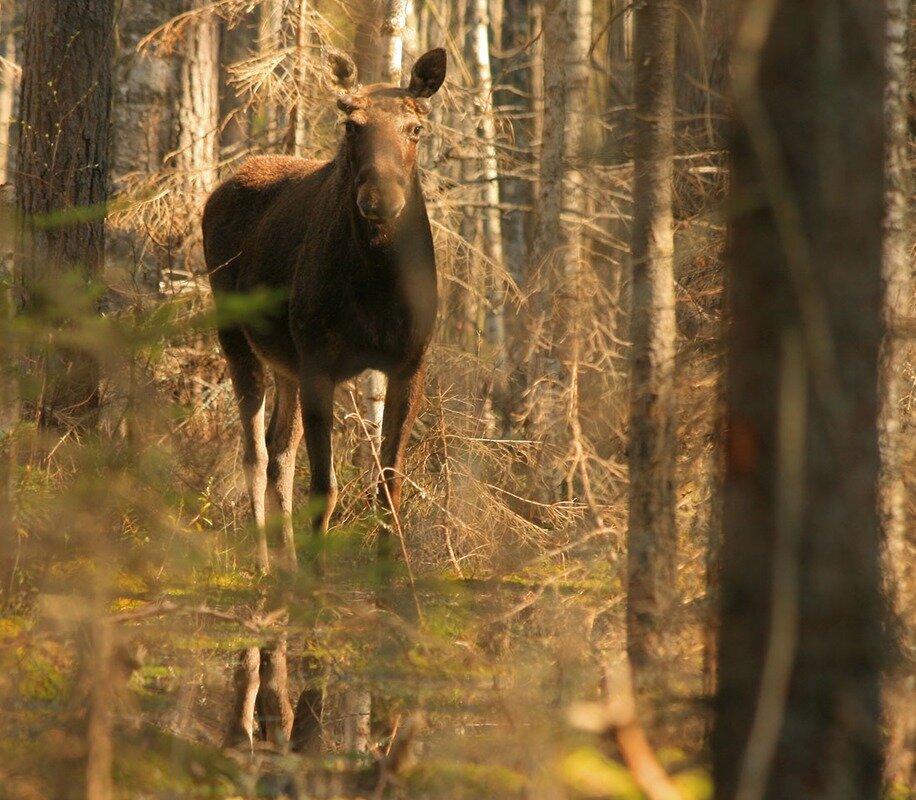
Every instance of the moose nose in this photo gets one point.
(380, 206)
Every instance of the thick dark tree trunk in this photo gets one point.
(800, 647)
(62, 180)
(652, 541)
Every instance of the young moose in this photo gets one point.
(348, 243)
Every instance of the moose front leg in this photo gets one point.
(402, 401)
(317, 401)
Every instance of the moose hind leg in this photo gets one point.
(248, 380)
(283, 437)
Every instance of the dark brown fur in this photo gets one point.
(348, 242)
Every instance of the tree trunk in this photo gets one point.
(198, 109)
(801, 636)
(547, 237)
(63, 170)
(652, 535)
(898, 556)
(479, 52)
(143, 89)
(394, 20)
(298, 127)
(517, 100)
(8, 83)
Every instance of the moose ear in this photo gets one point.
(428, 73)
(341, 67)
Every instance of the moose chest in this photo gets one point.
(357, 319)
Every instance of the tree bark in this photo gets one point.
(63, 171)
(801, 637)
(198, 108)
(897, 555)
(298, 127)
(652, 535)
(545, 250)
(8, 83)
(143, 89)
(494, 268)
(517, 103)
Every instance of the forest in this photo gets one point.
(481, 399)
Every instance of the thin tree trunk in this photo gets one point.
(898, 556)
(479, 50)
(8, 83)
(63, 167)
(801, 640)
(298, 125)
(517, 99)
(9, 390)
(394, 19)
(547, 236)
(99, 744)
(652, 534)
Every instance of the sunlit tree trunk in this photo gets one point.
(394, 20)
(898, 555)
(198, 105)
(801, 643)
(479, 50)
(652, 535)
(8, 83)
(298, 124)
(9, 390)
(63, 170)
(143, 89)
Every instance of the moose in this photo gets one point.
(347, 245)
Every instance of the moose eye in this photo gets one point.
(415, 131)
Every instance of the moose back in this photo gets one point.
(347, 244)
